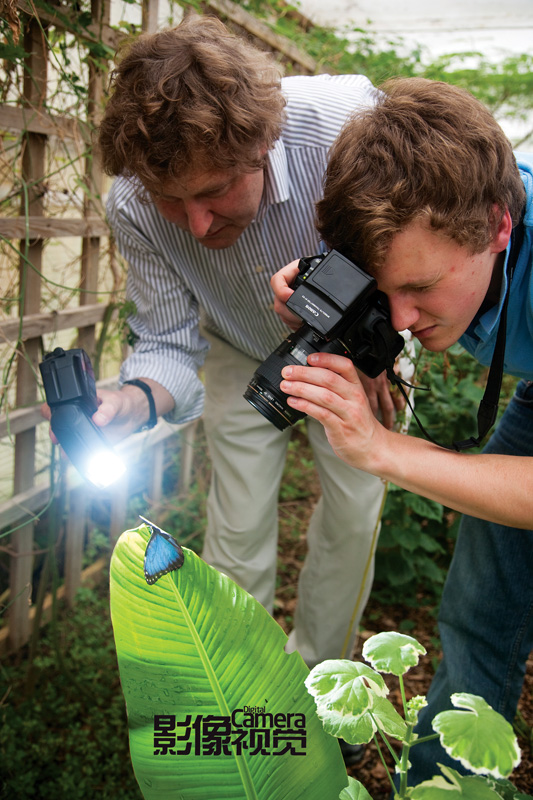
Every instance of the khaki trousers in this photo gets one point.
(248, 456)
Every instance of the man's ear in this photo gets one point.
(503, 230)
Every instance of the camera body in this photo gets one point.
(342, 312)
(68, 377)
(70, 390)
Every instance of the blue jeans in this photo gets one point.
(486, 613)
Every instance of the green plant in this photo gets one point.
(216, 708)
(65, 736)
(196, 653)
(412, 550)
(417, 535)
(351, 702)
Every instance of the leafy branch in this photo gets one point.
(351, 702)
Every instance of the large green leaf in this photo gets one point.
(195, 644)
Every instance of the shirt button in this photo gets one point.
(259, 269)
(271, 306)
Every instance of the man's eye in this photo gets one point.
(217, 192)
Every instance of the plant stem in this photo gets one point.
(427, 738)
(376, 742)
(404, 698)
(408, 741)
(390, 749)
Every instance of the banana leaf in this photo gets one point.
(209, 689)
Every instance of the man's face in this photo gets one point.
(435, 286)
(214, 206)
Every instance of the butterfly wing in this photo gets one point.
(162, 555)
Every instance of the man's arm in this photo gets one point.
(168, 349)
(494, 487)
(125, 411)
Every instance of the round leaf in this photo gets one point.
(354, 730)
(347, 686)
(392, 652)
(457, 787)
(354, 791)
(388, 719)
(344, 692)
(480, 738)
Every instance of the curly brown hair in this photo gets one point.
(191, 95)
(426, 151)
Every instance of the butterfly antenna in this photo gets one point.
(153, 527)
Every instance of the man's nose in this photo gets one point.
(199, 218)
(404, 314)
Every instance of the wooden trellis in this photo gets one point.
(29, 233)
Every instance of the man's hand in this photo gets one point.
(330, 391)
(384, 402)
(281, 286)
(122, 412)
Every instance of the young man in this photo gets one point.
(220, 166)
(423, 191)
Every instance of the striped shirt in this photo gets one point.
(174, 281)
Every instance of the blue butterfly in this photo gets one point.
(162, 555)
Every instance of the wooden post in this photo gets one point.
(90, 254)
(119, 507)
(76, 523)
(150, 15)
(186, 458)
(157, 457)
(33, 168)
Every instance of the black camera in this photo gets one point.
(70, 389)
(344, 313)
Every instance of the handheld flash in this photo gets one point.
(70, 390)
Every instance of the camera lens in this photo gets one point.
(263, 391)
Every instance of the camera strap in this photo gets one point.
(488, 407)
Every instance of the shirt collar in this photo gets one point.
(485, 324)
(276, 188)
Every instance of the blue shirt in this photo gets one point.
(480, 338)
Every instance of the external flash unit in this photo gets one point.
(70, 390)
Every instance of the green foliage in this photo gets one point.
(354, 52)
(350, 699)
(505, 87)
(63, 729)
(455, 383)
(353, 696)
(417, 535)
(9, 51)
(354, 791)
(195, 643)
(393, 653)
(412, 550)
